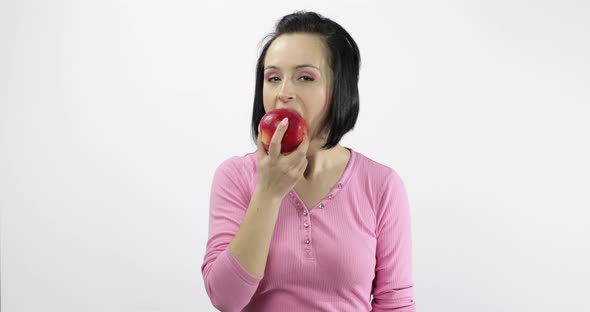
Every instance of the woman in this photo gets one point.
(323, 228)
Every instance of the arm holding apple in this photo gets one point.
(277, 174)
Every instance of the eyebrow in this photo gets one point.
(298, 66)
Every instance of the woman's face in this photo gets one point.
(298, 77)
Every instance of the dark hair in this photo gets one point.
(344, 60)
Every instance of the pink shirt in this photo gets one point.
(356, 242)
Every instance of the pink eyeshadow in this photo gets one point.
(309, 73)
(269, 74)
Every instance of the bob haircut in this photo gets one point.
(344, 60)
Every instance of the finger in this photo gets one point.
(274, 148)
(261, 151)
(304, 146)
(300, 152)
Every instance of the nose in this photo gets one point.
(286, 92)
(286, 98)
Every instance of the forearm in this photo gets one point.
(251, 244)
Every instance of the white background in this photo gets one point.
(115, 114)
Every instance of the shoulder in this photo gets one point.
(241, 164)
(380, 183)
(375, 172)
(238, 169)
(389, 199)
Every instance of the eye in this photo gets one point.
(306, 78)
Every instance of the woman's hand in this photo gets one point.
(277, 173)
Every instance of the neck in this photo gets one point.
(320, 161)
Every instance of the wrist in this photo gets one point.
(266, 196)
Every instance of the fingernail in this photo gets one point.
(285, 121)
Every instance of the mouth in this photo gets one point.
(295, 111)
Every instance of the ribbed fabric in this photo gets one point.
(359, 244)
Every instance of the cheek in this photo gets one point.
(325, 101)
(266, 100)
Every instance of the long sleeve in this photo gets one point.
(393, 287)
(229, 286)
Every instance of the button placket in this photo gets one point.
(306, 229)
(307, 232)
(331, 196)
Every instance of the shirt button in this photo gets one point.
(339, 185)
(330, 196)
(321, 205)
(306, 241)
(305, 224)
(305, 213)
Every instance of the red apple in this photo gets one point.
(296, 130)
